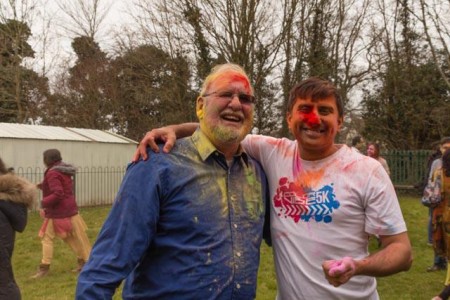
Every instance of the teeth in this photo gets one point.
(232, 118)
(320, 130)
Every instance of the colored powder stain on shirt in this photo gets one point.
(297, 165)
(252, 201)
(275, 143)
(223, 190)
(309, 179)
(204, 147)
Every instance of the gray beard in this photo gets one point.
(226, 135)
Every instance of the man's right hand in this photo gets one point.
(339, 272)
(163, 134)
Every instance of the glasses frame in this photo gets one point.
(229, 98)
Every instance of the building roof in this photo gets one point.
(39, 132)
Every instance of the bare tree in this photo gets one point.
(85, 17)
(407, 87)
(44, 41)
(249, 33)
(434, 16)
(328, 38)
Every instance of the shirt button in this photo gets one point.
(233, 197)
(238, 254)
(238, 285)
(235, 225)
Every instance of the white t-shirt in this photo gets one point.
(323, 210)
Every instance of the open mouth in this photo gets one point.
(314, 130)
(232, 118)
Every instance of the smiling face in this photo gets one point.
(315, 123)
(226, 121)
(372, 151)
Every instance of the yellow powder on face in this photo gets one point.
(200, 114)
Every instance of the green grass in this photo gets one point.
(60, 283)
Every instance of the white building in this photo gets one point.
(100, 156)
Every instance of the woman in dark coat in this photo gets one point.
(16, 196)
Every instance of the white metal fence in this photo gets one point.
(93, 186)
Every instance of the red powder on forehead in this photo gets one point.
(224, 79)
(239, 77)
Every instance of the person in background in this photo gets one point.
(358, 144)
(325, 200)
(421, 187)
(441, 218)
(17, 195)
(60, 213)
(189, 224)
(440, 260)
(373, 150)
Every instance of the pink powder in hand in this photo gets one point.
(339, 267)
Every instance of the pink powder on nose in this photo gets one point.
(311, 119)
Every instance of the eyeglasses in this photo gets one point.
(245, 99)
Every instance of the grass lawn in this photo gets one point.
(60, 283)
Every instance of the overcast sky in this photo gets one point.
(57, 46)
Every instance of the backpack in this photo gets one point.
(432, 193)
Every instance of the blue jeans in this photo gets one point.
(440, 261)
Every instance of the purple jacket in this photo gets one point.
(57, 189)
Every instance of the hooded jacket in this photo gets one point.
(16, 194)
(57, 190)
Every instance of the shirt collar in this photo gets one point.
(205, 148)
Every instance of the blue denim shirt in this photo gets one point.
(184, 225)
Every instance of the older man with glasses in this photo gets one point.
(189, 224)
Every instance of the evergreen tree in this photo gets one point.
(21, 90)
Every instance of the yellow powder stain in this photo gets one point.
(223, 189)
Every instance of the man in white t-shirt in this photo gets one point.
(326, 199)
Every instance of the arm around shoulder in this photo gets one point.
(168, 135)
